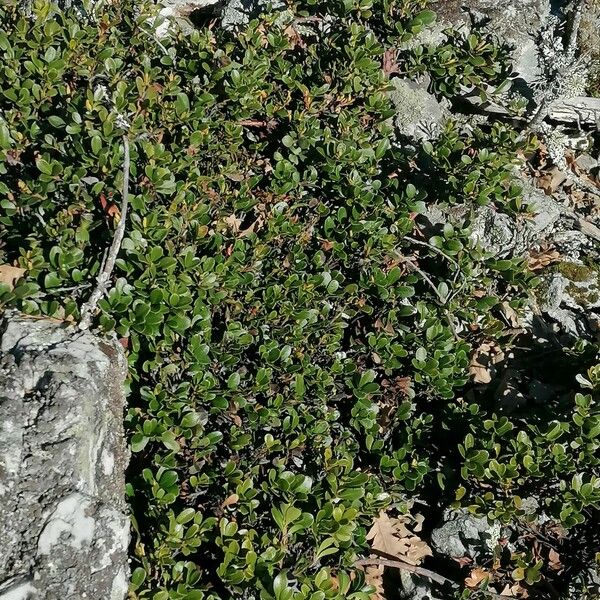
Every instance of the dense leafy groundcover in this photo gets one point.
(296, 343)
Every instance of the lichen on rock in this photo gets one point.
(64, 524)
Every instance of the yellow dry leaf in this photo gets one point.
(10, 275)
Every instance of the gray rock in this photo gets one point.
(463, 534)
(414, 587)
(505, 236)
(585, 161)
(496, 232)
(572, 244)
(175, 12)
(571, 296)
(232, 13)
(419, 115)
(63, 524)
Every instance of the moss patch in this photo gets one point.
(583, 296)
(578, 272)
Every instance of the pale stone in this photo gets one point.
(63, 518)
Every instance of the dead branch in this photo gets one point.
(400, 564)
(415, 267)
(571, 46)
(103, 280)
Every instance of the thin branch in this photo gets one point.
(432, 247)
(400, 564)
(102, 282)
(541, 112)
(572, 42)
(426, 277)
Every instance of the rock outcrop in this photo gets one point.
(64, 528)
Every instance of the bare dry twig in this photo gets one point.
(400, 564)
(89, 308)
(432, 575)
(443, 299)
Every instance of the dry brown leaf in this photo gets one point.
(390, 64)
(419, 519)
(110, 208)
(551, 180)
(392, 537)
(233, 223)
(374, 577)
(252, 228)
(483, 360)
(386, 535)
(230, 500)
(514, 591)
(417, 551)
(10, 275)
(294, 37)
(510, 314)
(540, 260)
(477, 576)
(464, 561)
(554, 560)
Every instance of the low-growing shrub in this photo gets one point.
(295, 344)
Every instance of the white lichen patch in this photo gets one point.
(108, 462)
(22, 591)
(68, 521)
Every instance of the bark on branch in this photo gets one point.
(103, 280)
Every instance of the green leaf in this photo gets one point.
(96, 144)
(56, 121)
(138, 442)
(44, 166)
(170, 441)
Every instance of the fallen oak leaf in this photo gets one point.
(551, 180)
(417, 551)
(374, 577)
(392, 538)
(386, 535)
(9, 275)
(540, 260)
(483, 360)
